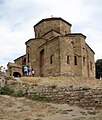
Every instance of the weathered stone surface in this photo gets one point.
(55, 51)
(81, 97)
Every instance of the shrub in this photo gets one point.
(6, 91)
(18, 93)
(39, 98)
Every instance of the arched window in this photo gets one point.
(68, 59)
(75, 60)
(24, 61)
(28, 51)
(65, 32)
(38, 35)
(91, 64)
(83, 60)
(28, 58)
(41, 57)
(51, 59)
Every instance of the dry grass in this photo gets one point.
(12, 108)
(64, 81)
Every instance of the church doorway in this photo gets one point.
(41, 61)
(16, 74)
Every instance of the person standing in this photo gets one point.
(25, 70)
(30, 71)
(33, 72)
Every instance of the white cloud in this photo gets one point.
(17, 18)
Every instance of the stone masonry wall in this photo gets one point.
(84, 97)
(49, 24)
(51, 49)
(62, 53)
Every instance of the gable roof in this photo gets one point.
(74, 34)
(51, 31)
(34, 39)
(53, 18)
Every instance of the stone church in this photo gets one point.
(55, 51)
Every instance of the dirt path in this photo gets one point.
(12, 108)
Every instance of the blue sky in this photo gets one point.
(17, 18)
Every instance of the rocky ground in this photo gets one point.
(21, 108)
(12, 108)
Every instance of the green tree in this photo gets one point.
(98, 65)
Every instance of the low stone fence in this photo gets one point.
(84, 97)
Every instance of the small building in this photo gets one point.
(55, 51)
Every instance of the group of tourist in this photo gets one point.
(28, 71)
